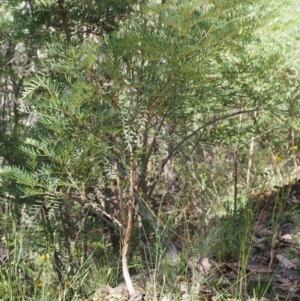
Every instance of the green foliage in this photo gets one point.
(182, 89)
(44, 21)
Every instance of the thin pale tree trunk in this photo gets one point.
(251, 152)
(128, 231)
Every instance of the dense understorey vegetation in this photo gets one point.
(136, 141)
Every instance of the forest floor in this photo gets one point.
(266, 268)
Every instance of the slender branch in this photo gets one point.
(58, 263)
(193, 133)
(158, 99)
(64, 18)
(236, 165)
(98, 212)
(215, 120)
(251, 152)
(146, 157)
(154, 140)
(84, 201)
(144, 161)
(235, 181)
(195, 145)
(120, 197)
